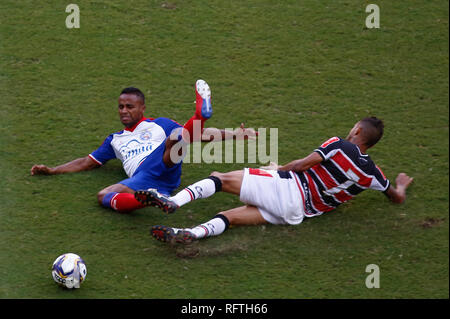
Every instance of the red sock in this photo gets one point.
(195, 127)
(125, 202)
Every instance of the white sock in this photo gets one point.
(214, 227)
(201, 189)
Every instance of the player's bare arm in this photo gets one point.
(398, 194)
(302, 164)
(77, 165)
(214, 134)
(208, 135)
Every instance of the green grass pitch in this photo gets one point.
(309, 68)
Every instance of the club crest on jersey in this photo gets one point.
(145, 136)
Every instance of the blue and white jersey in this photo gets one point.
(133, 146)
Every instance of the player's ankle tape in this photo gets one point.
(217, 183)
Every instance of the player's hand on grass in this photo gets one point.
(243, 133)
(403, 180)
(272, 166)
(41, 170)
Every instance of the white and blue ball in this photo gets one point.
(69, 270)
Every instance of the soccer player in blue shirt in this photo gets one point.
(144, 147)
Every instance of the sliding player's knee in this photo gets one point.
(230, 182)
(215, 177)
(100, 196)
(224, 177)
(216, 174)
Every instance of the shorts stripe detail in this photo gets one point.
(95, 160)
(303, 195)
(259, 172)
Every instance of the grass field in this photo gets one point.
(309, 68)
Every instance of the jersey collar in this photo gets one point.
(131, 129)
(361, 153)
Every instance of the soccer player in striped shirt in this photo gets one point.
(144, 148)
(334, 173)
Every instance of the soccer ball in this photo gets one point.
(69, 270)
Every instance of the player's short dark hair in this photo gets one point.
(134, 91)
(372, 130)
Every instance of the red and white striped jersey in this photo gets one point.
(343, 173)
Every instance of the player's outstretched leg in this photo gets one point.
(203, 99)
(171, 235)
(201, 189)
(152, 197)
(214, 227)
(203, 111)
(118, 197)
(244, 215)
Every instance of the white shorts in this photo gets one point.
(278, 198)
